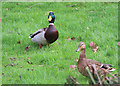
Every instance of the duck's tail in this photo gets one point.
(107, 67)
(30, 36)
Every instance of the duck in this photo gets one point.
(48, 35)
(83, 62)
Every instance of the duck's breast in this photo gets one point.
(51, 34)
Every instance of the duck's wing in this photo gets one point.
(37, 32)
(90, 62)
(100, 65)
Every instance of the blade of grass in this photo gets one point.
(94, 67)
(90, 75)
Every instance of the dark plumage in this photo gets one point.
(46, 36)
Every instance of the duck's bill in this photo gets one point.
(50, 18)
(78, 50)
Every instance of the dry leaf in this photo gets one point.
(69, 38)
(11, 64)
(29, 62)
(14, 59)
(73, 5)
(0, 20)
(73, 38)
(19, 42)
(92, 45)
(27, 47)
(95, 48)
(72, 67)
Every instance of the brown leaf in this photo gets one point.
(19, 42)
(0, 19)
(118, 43)
(14, 59)
(95, 48)
(73, 38)
(11, 64)
(69, 38)
(92, 45)
(27, 47)
(29, 62)
(73, 5)
(72, 67)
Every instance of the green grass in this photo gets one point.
(51, 65)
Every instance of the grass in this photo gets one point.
(97, 22)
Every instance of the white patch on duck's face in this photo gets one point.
(40, 39)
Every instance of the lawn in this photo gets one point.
(97, 22)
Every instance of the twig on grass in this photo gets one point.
(34, 5)
(94, 67)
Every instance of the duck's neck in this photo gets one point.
(51, 24)
(82, 54)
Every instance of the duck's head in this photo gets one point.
(51, 17)
(81, 46)
(51, 13)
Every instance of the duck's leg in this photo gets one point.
(40, 46)
(49, 45)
